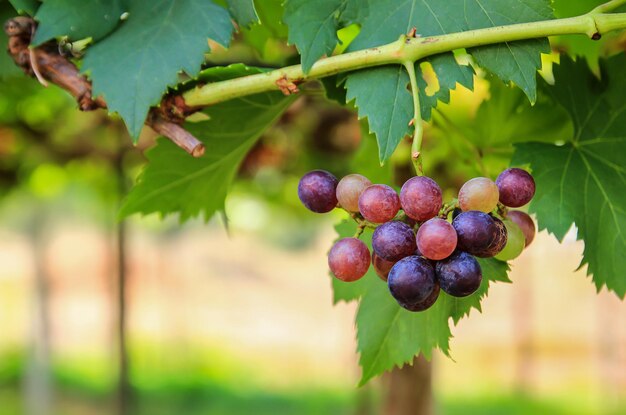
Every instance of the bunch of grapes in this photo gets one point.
(421, 246)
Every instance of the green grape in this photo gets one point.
(515, 241)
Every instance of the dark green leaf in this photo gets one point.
(94, 18)
(243, 11)
(26, 6)
(174, 182)
(582, 182)
(133, 66)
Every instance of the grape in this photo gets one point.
(379, 203)
(515, 243)
(411, 281)
(420, 197)
(436, 239)
(459, 275)
(498, 242)
(349, 259)
(525, 222)
(476, 232)
(393, 241)
(381, 266)
(516, 187)
(316, 190)
(479, 193)
(427, 303)
(349, 189)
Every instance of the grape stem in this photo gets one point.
(418, 128)
(447, 208)
(502, 210)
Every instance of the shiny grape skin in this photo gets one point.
(427, 303)
(436, 239)
(525, 223)
(379, 203)
(349, 189)
(479, 193)
(459, 275)
(393, 241)
(381, 266)
(517, 187)
(317, 191)
(476, 232)
(499, 242)
(421, 198)
(411, 280)
(349, 259)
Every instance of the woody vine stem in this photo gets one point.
(408, 50)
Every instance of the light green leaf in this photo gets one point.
(133, 66)
(243, 11)
(582, 182)
(94, 18)
(174, 182)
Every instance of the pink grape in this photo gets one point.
(479, 193)
(421, 198)
(525, 223)
(349, 259)
(349, 189)
(436, 239)
(379, 203)
(517, 187)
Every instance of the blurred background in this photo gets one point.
(150, 316)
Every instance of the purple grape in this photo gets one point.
(420, 198)
(516, 187)
(436, 239)
(499, 242)
(381, 266)
(349, 259)
(349, 189)
(393, 241)
(317, 191)
(476, 232)
(411, 281)
(459, 275)
(427, 303)
(379, 203)
(525, 223)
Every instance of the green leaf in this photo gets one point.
(94, 18)
(582, 182)
(26, 6)
(134, 65)
(243, 11)
(387, 20)
(174, 182)
(389, 335)
(313, 25)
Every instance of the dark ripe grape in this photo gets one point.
(479, 193)
(317, 189)
(349, 189)
(498, 243)
(427, 303)
(476, 232)
(381, 266)
(456, 212)
(379, 203)
(525, 223)
(515, 242)
(420, 198)
(349, 259)
(459, 275)
(516, 187)
(393, 241)
(411, 281)
(436, 239)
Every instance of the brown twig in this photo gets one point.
(46, 63)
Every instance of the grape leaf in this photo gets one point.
(25, 6)
(389, 113)
(174, 182)
(133, 66)
(95, 18)
(243, 11)
(582, 182)
(388, 335)
(313, 25)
